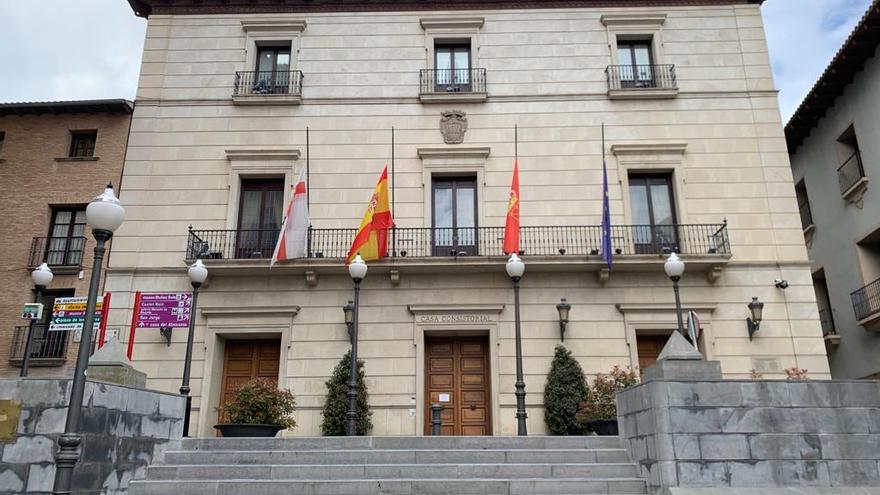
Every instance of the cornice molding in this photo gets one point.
(249, 310)
(262, 155)
(655, 307)
(452, 22)
(482, 152)
(634, 19)
(274, 25)
(455, 308)
(648, 149)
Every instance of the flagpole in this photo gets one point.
(394, 228)
(515, 142)
(308, 197)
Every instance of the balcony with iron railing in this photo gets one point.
(851, 177)
(443, 85)
(866, 305)
(60, 253)
(829, 332)
(260, 87)
(633, 244)
(48, 348)
(641, 81)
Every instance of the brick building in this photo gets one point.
(54, 158)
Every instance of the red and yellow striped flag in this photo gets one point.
(511, 226)
(371, 241)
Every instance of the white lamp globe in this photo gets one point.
(42, 275)
(105, 212)
(515, 266)
(357, 268)
(198, 272)
(674, 266)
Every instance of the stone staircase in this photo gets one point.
(393, 465)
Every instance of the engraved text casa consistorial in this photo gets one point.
(453, 125)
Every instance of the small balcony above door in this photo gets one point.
(272, 81)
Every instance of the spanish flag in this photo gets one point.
(371, 241)
(511, 226)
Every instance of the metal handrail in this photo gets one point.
(406, 242)
(850, 172)
(260, 83)
(46, 345)
(641, 76)
(866, 301)
(452, 81)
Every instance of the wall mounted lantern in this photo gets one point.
(756, 307)
(563, 308)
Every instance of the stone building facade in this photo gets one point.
(832, 142)
(696, 164)
(54, 158)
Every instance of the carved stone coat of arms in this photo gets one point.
(453, 125)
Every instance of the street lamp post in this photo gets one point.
(358, 270)
(515, 269)
(674, 268)
(105, 214)
(198, 273)
(42, 277)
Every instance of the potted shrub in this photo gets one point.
(598, 412)
(566, 387)
(258, 409)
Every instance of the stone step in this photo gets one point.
(390, 471)
(365, 456)
(406, 443)
(458, 486)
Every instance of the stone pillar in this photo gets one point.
(110, 364)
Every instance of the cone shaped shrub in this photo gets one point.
(566, 388)
(336, 404)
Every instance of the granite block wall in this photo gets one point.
(753, 433)
(123, 430)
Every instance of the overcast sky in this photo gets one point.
(89, 49)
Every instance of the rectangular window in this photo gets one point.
(455, 216)
(452, 61)
(823, 300)
(82, 144)
(273, 69)
(259, 217)
(636, 63)
(653, 213)
(2, 140)
(64, 246)
(803, 200)
(851, 171)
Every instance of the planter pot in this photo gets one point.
(604, 427)
(238, 430)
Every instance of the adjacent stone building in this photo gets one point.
(54, 158)
(696, 160)
(835, 152)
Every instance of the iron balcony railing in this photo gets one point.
(806, 215)
(694, 239)
(265, 83)
(641, 77)
(827, 322)
(57, 251)
(452, 81)
(866, 301)
(46, 346)
(850, 172)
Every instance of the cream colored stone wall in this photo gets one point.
(545, 71)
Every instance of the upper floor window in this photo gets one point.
(273, 69)
(82, 144)
(803, 200)
(653, 213)
(66, 236)
(636, 62)
(452, 61)
(455, 215)
(2, 140)
(259, 217)
(851, 171)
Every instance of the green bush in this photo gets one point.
(566, 388)
(336, 405)
(260, 402)
(600, 402)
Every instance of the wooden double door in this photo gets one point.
(457, 377)
(248, 359)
